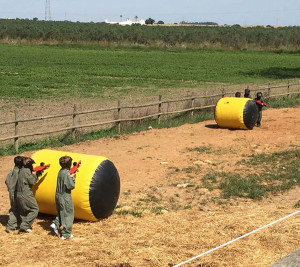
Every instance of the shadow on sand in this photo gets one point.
(216, 126)
(45, 221)
(3, 219)
(212, 126)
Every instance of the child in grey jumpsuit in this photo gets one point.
(26, 202)
(63, 199)
(11, 182)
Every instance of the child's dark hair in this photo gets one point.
(65, 162)
(259, 95)
(18, 160)
(27, 163)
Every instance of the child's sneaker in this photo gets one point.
(67, 237)
(25, 231)
(54, 228)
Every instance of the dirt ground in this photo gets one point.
(147, 164)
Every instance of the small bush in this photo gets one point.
(235, 185)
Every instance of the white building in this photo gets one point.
(111, 22)
(128, 21)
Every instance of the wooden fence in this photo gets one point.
(191, 106)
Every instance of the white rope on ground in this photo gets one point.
(233, 240)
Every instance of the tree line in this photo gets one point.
(223, 37)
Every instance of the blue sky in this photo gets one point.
(250, 12)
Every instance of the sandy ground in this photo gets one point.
(147, 164)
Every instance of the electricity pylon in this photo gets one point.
(47, 10)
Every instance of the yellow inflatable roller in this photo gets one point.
(236, 113)
(97, 185)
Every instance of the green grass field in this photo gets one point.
(53, 72)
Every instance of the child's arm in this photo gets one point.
(261, 103)
(69, 181)
(31, 177)
(8, 179)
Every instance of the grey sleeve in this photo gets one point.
(31, 178)
(69, 181)
(8, 178)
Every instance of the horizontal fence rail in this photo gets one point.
(188, 102)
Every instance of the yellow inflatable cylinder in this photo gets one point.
(236, 113)
(97, 185)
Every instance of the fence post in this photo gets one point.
(159, 108)
(73, 121)
(269, 90)
(16, 139)
(193, 104)
(288, 89)
(119, 116)
(223, 92)
(205, 99)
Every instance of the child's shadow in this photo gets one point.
(45, 221)
(3, 219)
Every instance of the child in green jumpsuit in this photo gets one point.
(247, 93)
(11, 181)
(260, 104)
(26, 202)
(63, 200)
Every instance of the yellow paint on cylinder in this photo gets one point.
(45, 188)
(229, 112)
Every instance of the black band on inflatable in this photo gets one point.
(250, 114)
(104, 190)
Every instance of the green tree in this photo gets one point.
(149, 21)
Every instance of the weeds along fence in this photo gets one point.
(29, 129)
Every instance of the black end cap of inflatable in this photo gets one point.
(104, 190)
(250, 114)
